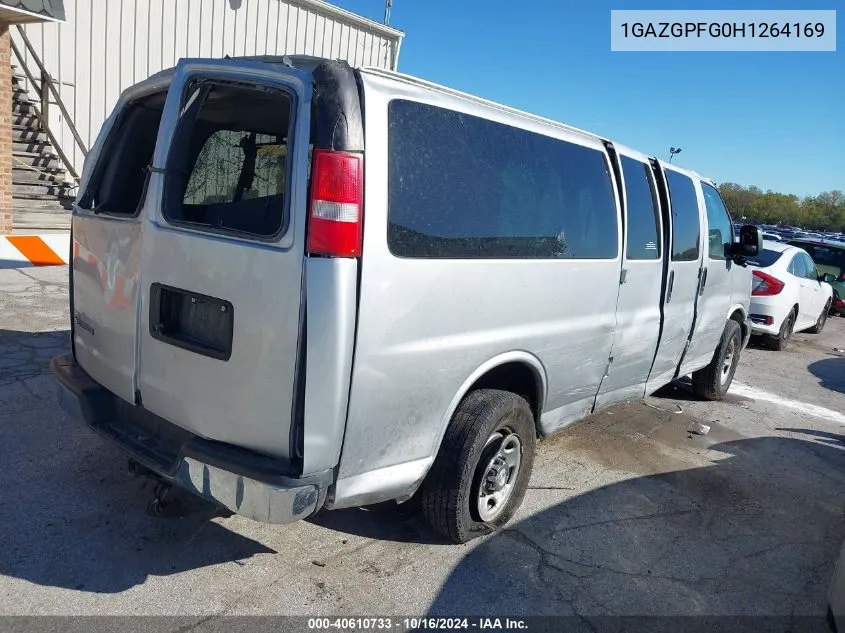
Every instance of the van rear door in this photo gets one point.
(108, 238)
(222, 261)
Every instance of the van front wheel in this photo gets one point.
(481, 472)
(712, 382)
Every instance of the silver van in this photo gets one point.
(298, 285)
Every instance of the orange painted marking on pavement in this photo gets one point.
(35, 250)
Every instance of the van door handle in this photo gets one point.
(669, 286)
(703, 281)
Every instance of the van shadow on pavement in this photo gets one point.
(755, 533)
(72, 516)
(830, 372)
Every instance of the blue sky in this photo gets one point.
(775, 120)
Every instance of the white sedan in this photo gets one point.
(787, 293)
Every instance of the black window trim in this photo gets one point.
(262, 85)
(730, 219)
(609, 170)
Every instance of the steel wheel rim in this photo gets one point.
(727, 363)
(498, 475)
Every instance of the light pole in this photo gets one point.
(673, 151)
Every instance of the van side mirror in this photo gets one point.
(748, 244)
(827, 278)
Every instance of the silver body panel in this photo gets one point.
(725, 291)
(637, 321)
(425, 326)
(106, 272)
(331, 288)
(247, 400)
(386, 347)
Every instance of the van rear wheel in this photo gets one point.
(712, 382)
(481, 472)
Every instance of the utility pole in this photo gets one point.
(387, 5)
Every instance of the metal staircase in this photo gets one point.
(42, 190)
(44, 180)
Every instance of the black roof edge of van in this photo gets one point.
(337, 122)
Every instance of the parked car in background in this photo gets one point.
(829, 256)
(837, 308)
(787, 294)
(774, 237)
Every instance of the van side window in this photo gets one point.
(228, 172)
(460, 186)
(719, 227)
(641, 199)
(686, 230)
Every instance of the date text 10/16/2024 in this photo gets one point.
(421, 623)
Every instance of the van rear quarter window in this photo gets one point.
(686, 228)
(461, 186)
(117, 184)
(228, 169)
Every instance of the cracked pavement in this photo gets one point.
(627, 512)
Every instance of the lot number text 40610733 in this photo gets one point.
(417, 624)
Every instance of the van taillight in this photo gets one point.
(764, 285)
(336, 206)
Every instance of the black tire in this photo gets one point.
(781, 341)
(450, 494)
(819, 326)
(712, 382)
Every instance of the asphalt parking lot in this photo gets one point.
(627, 513)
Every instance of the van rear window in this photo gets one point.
(228, 166)
(460, 186)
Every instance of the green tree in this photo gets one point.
(825, 211)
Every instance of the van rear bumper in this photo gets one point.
(247, 483)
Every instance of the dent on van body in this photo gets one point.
(106, 272)
(106, 260)
(331, 292)
(246, 400)
(411, 357)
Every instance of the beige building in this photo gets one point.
(72, 59)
